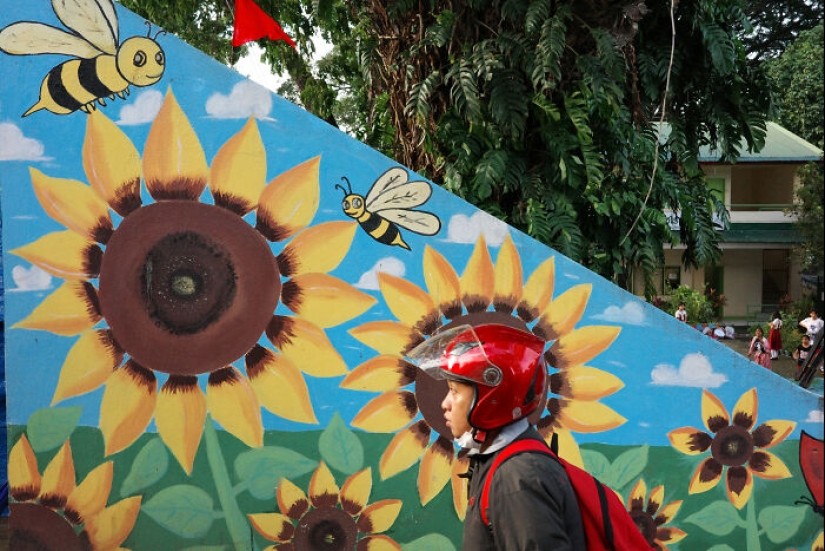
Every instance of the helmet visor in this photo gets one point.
(447, 354)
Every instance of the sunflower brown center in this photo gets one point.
(37, 528)
(732, 446)
(186, 287)
(326, 529)
(646, 525)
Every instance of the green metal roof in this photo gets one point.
(781, 146)
(761, 233)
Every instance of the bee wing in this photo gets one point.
(406, 195)
(392, 178)
(27, 38)
(416, 221)
(94, 20)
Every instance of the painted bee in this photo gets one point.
(102, 67)
(389, 204)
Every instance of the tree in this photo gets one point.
(775, 25)
(541, 112)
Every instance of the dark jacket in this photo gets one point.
(532, 505)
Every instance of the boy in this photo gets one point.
(681, 313)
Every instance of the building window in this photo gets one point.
(672, 278)
(775, 275)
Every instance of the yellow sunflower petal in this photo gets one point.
(668, 512)
(771, 433)
(584, 383)
(657, 496)
(689, 440)
(238, 172)
(387, 412)
(459, 484)
(387, 337)
(379, 516)
(768, 466)
(378, 542)
(404, 449)
(232, 402)
(292, 501)
(380, 374)
(442, 283)
(70, 310)
(112, 525)
(273, 526)
(91, 495)
(538, 291)
(744, 412)
(279, 385)
(407, 302)
(323, 491)
(739, 495)
(91, 360)
(289, 202)
(111, 163)
(671, 535)
(174, 165)
(706, 476)
(714, 413)
(819, 544)
(306, 346)
(24, 476)
(317, 249)
(636, 499)
(127, 406)
(64, 254)
(435, 469)
(73, 204)
(587, 416)
(478, 279)
(58, 478)
(581, 345)
(508, 277)
(324, 300)
(563, 312)
(179, 415)
(355, 493)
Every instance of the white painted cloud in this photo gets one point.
(388, 265)
(246, 99)
(142, 110)
(467, 229)
(694, 371)
(32, 279)
(815, 416)
(14, 146)
(631, 313)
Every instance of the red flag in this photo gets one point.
(252, 23)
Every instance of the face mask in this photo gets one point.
(467, 442)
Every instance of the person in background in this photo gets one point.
(681, 313)
(760, 349)
(812, 325)
(801, 354)
(775, 335)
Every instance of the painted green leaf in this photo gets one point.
(721, 547)
(628, 466)
(781, 522)
(340, 448)
(719, 518)
(262, 468)
(597, 464)
(149, 466)
(206, 548)
(181, 509)
(430, 542)
(48, 428)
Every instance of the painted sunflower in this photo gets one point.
(53, 513)
(735, 445)
(330, 519)
(651, 519)
(185, 287)
(485, 293)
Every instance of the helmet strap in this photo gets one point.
(479, 435)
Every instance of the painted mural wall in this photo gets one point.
(209, 295)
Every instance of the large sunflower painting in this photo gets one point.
(486, 292)
(176, 287)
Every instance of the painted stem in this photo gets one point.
(235, 520)
(751, 528)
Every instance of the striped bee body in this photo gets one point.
(382, 230)
(78, 83)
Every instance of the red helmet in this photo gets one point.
(504, 364)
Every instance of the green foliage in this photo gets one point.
(699, 308)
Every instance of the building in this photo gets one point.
(757, 268)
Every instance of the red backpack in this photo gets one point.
(607, 524)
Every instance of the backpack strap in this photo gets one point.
(515, 448)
